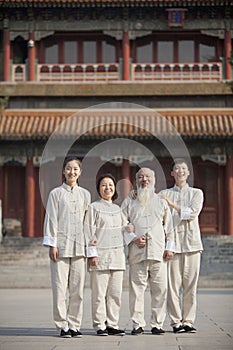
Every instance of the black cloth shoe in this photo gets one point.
(156, 330)
(75, 334)
(102, 332)
(190, 329)
(178, 329)
(65, 334)
(137, 331)
(115, 331)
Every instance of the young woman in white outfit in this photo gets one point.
(64, 235)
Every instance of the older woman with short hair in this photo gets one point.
(106, 258)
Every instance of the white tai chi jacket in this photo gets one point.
(155, 222)
(104, 235)
(186, 226)
(64, 220)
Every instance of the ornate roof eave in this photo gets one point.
(114, 3)
(138, 124)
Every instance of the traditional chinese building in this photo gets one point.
(61, 58)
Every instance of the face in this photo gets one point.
(180, 172)
(106, 188)
(145, 178)
(72, 172)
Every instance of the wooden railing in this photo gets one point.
(78, 72)
(112, 71)
(177, 71)
(18, 72)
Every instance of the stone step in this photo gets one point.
(22, 258)
(10, 241)
(25, 263)
(22, 250)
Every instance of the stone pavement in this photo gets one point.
(26, 323)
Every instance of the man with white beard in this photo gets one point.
(150, 248)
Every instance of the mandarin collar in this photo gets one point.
(68, 188)
(104, 201)
(184, 188)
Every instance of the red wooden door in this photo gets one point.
(39, 207)
(207, 177)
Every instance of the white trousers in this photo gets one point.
(183, 274)
(154, 272)
(106, 287)
(68, 278)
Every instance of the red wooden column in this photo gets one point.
(31, 57)
(99, 56)
(61, 52)
(227, 44)
(175, 51)
(197, 51)
(80, 51)
(30, 199)
(229, 193)
(126, 56)
(126, 177)
(155, 51)
(2, 188)
(6, 55)
(1, 182)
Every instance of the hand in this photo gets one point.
(93, 261)
(168, 255)
(53, 253)
(140, 241)
(129, 228)
(170, 203)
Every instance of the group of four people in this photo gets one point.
(163, 242)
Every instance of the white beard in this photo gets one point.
(144, 195)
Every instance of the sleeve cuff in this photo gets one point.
(128, 237)
(91, 251)
(50, 241)
(170, 245)
(185, 213)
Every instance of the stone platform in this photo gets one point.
(24, 263)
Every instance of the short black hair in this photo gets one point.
(100, 178)
(179, 161)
